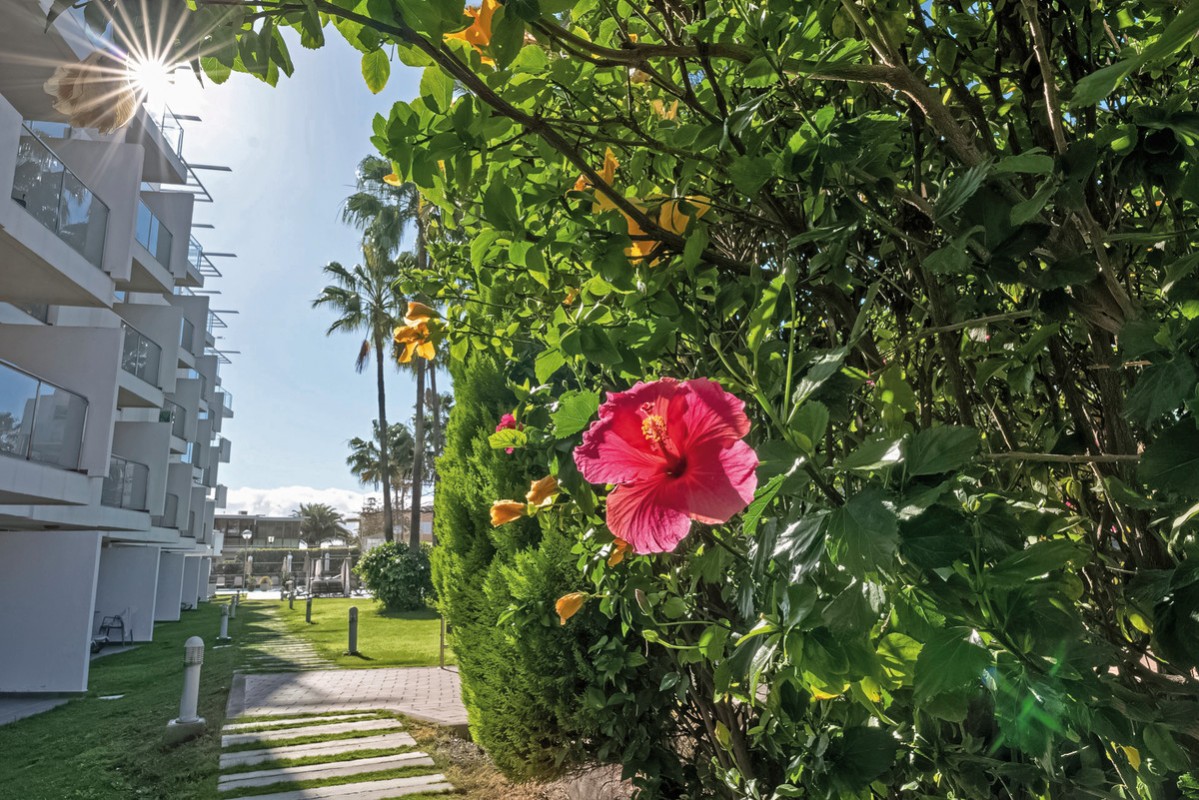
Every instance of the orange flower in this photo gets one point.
(620, 548)
(505, 511)
(478, 33)
(418, 312)
(608, 174)
(415, 338)
(568, 605)
(673, 218)
(571, 295)
(94, 93)
(392, 179)
(639, 76)
(663, 112)
(542, 492)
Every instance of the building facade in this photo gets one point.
(111, 402)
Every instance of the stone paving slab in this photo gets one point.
(372, 790)
(256, 737)
(309, 772)
(334, 747)
(19, 707)
(430, 694)
(250, 726)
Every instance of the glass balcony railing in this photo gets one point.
(55, 197)
(140, 356)
(176, 415)
(125, 485)
(170, 127)
(39, 421)
(187, 335)
(226, 400)
(153, 235)
(169, 518)
(191, 525)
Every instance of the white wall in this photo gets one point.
(128, 585)
(148, 443)
(113, 171)
(170, 587)
(191, 582)
(205, 578)
(47, 594)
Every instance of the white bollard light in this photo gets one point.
(224, 637)
(189, 724)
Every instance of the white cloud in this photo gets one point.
(283, 500)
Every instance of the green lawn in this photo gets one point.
(92, 749)
(385, 639)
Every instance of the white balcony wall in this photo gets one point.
(36, 266)
(222, 496)
(190, 593)
(209, 517)
(170, 587)
(160, 324)
(195, 310)
(113, 172)
(187, 395)
(174, 210)
(48, 592)
(199, 506)
(179, 483)
(128, 586)
(83, 360)
(162, 164)
(209, 367)
(147, 443)
(207, 587)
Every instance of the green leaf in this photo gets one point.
(750, 173)
(1099, 84)
(1030, 163)
(1171, 462)
(941, 449)
(898, 653)
(949, 662)
(598, 347)
(548, 362)
(952, 259)
(437, 89)
(697, 243)
(499, 206)
(1033, 562)
(955, 195)
(765, 495)
(809, 423)
(824, 366)
(862, 755)
(1162, 388)
(935, 539)
(762, 314)
(874, 454)
(376, 69)
(509, 437)
(574, 413)
(864, 533)
(1161, 745)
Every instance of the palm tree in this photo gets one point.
(379, 209)
(365, 463)
(320, 522)
(365, 299)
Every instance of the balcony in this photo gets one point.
(125, 485)
(151, 234)
(140, 357)
(169, 518)
(187, 336)
(56, 198)
(225, 401)
(176, 415)
(40, 422)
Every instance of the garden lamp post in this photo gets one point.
(246, 536)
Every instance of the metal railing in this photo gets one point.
(125, 485)
(153, 235)
(202, 263)
(55, 197)
(187, 335)
(140, 356)
(175, 414)
(170, 127)
(169, 518)
(40, 421)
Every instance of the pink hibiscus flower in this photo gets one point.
(508, 421)
(675, 452)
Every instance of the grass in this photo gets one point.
(91, 749)
(385, 638)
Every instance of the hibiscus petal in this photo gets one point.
(711, 415)
(637, 514)
(717, 483)
(614, 448)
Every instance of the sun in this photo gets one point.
(153, 79)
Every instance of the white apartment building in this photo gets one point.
(111, 404)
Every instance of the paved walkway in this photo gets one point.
(15, 707)
(425, 693)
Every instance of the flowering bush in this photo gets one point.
(943, 254)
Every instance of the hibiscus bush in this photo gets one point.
(398, 577)
(942, 253)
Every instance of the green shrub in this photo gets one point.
(399, 578)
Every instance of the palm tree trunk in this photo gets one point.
(418, 457)
(380, 356)
(435, 410)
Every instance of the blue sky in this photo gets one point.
(293, 150)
